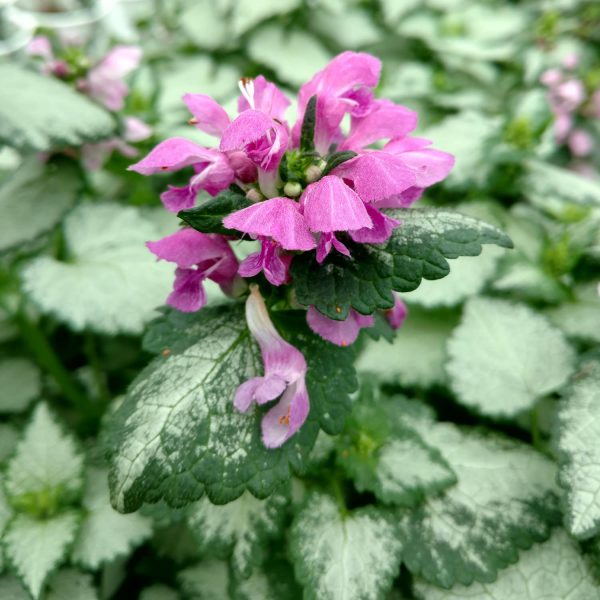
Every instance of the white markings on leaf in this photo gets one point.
(343, 557)
(579, 452)
(504, 357)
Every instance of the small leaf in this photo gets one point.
(178, 432)
(36, 547)
(383, 454)
(505, 500)
(208, 580)
(307, 133)
(343, 557)
(46, 470)
(504, 357)
(35, 198)
(71, 584)
(578, 432)
(417, 250)
(417, 355)
(20, 383)
(336, 159)
(240, 529)
(41, 113)
(208, 217)
(554, 570)
(104, 533)
(111, 283)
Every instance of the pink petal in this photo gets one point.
(377, 175)
(287, 416)
(215, 176)
(188, 247)
(40, 46)
(327, 241)
(581, 143)
(278, 218)
(174, 154)
(428, 165)
(397, 315)
(267, 98)
(259, 390)
(381, 230)
(330, 205)
(208, 114)
(385, 121)
(188, 293)
(341, 333)
(179, 198)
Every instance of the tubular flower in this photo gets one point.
(340, 333)
(284, 377)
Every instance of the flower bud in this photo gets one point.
(254, 195)
(292, 189)
(313, 173)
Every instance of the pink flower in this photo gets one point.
(271, 259)
(329, 205)
(40, 46)
(284, 378)
(198, 256)
(264, 96)
(580, 143)
(213, 170)
(105, 82)
(398, 313)
(207, 114)
(340, 333)
(344, 86)
(385, 120)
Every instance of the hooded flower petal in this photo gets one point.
(385, 120)
(340, 333)
(381, 230)
(397, 315)
(277, 218)
(105, 83)
(259, 136)
(271, 260)
(208, 115)
(260, 94)
(344, 86)
(282, 363)
(427, 164)
(330, 205)
(377, 175)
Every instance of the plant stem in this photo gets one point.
(47, 359)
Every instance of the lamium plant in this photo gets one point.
(299, 300)
(327, 199)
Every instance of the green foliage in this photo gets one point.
(37, 113)
(417, 250)
(208, 217)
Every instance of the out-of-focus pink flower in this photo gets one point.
(106, 81)
(397, 315)
(284, 378)
(580, 143)
(40, 46)
(340, 333)
(198, 256)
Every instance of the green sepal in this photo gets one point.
(307, 133)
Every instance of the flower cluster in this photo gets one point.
(320, 186)
(103, 81)
(571, 104)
